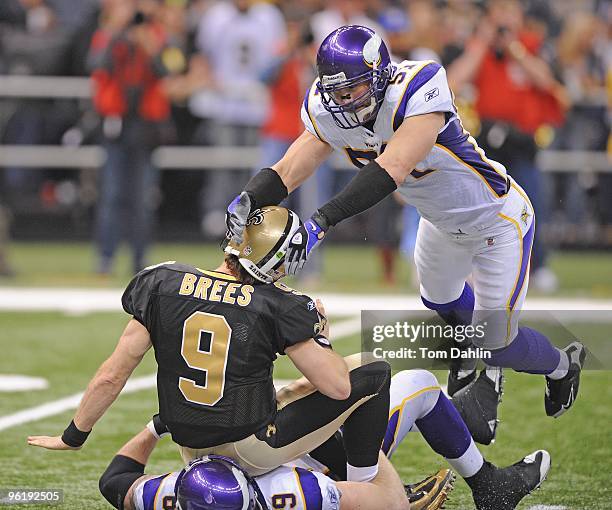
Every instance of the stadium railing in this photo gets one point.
(189, 157)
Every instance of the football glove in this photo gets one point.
(237, 215)
(301, 245)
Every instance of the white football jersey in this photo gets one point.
(455, 187)
(286, 487)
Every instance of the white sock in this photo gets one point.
(561, 371)
(469, 463)
(360, 474)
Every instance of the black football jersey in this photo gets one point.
(215, 341)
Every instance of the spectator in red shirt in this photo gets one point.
(517, 98)
(128, 59)
(287, 79)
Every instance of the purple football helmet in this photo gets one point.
(350, 56)
(215, 482)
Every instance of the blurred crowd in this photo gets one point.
(528, 75)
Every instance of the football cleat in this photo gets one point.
(432, 492)
(477, 404)
(496, 488)
(459, 379)
(561, 393)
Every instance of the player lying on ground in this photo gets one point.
(416, 401)
(397, 123)
(216, 335)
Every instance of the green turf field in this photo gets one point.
(346, 268)
(67, 349)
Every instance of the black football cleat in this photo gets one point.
(462, 372)
(477, 404)
(496, 488)
(432, 492)
(459, 379)
(561, 393)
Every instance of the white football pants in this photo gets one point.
(497, 257)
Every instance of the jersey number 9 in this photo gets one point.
(212, 361)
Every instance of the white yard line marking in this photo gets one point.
(12, 382)
(68, 403)
(342, 329)
(78, 301)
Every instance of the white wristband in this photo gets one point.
(152, 430)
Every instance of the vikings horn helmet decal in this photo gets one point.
(265, 241)
(348, 57)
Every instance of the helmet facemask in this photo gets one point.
(348, 57)
(363, 108)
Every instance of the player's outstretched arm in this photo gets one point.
(102, 390)
(385, 491)
(126, 470)
(270, 186)
(326, 370)
(410, 144)
(303, 157)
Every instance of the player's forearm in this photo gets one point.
(326, 370)
(301, 160)
(385, 491)
(335, 376)
(101, 392)
(140, 446)
(371, 185)
(387, 477)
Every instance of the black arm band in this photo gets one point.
(119, 476)
(266, 188)
(366, 189)
(73, 436)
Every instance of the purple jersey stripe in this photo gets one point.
(150, 490)
(310, 488)
(415, 83)
(455, 139)
(391, 431)
(525, 256)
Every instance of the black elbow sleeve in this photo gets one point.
(119, 476)
(266, 188)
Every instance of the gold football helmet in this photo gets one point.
(265, 240)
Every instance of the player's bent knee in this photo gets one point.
(119, 476)
(412, 381)
(371, 378)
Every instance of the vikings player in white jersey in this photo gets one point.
(397, 123)
(417, 403)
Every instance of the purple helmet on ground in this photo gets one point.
(217, 483)
(350, 56)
